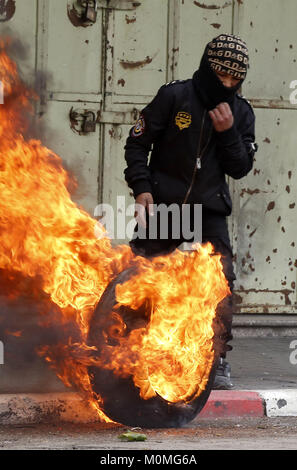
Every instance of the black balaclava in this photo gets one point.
(225, 53)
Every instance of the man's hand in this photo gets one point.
(143, 202)
(222, 117)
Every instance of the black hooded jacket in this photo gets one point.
(189, 162)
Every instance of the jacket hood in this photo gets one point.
(210, 88)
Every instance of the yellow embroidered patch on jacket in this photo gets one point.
(183, 120)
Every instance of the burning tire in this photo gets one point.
(121, 399)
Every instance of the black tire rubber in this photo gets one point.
(121, 400)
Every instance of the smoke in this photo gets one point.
(28, 321)
(33, 84)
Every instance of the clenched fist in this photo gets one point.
(222, 117)
(143, 202)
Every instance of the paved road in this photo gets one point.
(260, 433)
(262, 363)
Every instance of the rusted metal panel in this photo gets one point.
(72, 55)
(274, 104)
(80, 153)
(198, 23)
(136, 58)
(136, 66)
(264, 220)
(115, 190)
(270, 29)
(139, 62)
(148, 45)
(69, 59)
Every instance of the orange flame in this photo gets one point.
(17, 333)
(173, 355)
(43, 233)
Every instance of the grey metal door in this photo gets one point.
(263, 223)
(114, 65)
(262, 226)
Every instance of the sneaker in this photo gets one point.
(222, 379)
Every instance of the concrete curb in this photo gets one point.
(250, 403)
(233, 403)
(280, 402)
(70, 407)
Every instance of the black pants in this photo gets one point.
(223, 322)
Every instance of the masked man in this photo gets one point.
(199, 131)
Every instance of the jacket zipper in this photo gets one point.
(199, 157)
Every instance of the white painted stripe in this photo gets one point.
(280, 402)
